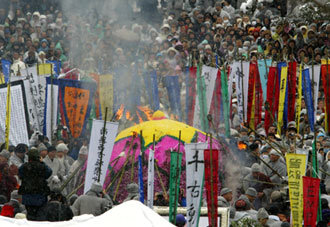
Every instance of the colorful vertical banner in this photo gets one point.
(314, 72)
(217, 103)
(8, 109)
(175, 173)
(325, 72)
(299, 97)
(75, 101)
(96, 166)
(154, 88)
(2, 79)
(311, 188)
(173, 92)
(195, 181)
(51, 107)
(141, 188)
(225, 101)
(6, 69)
(190, 94)
(263, 68)
(211, 159)
(151, 178)
(106, 94)
(270, 101)
(307, 88)
(296, 167)
(45, 69)
(283, 85)
(206, 78)
(291, 97)
(56, 67)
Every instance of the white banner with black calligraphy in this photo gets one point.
(241, 79)
(95, 157)
(195, 180)
(151, 178)
(314, 73)
(18, 114)
(208, 76)
(51, 108)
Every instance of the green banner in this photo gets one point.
(315, 174)
(175, 173)
(225, 101)
(202, 100)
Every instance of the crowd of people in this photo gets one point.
(166, 38)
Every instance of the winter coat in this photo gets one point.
(15, 160)
(8, 183)
(91, 204)
(34, 189)
(57, 211)
(278, 166)
(57, 168)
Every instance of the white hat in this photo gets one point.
(208, 47)
(83, 150)
(62, 148)
(166, 26)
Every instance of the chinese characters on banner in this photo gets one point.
(106, 94)
(94, 152)
(211, 158)
(311, 200)
(296, 166)
(18, 132)
(175, 173)
(151, 178)
(76, 103)
(195, 181)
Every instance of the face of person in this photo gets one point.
(228, 196)
(52, 154)
(274, 158)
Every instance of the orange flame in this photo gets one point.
(146, 111)
(242, 146)
(140, 118)
(128, 116)
(120, 112)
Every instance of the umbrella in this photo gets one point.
(128, 144)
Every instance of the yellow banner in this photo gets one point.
(325, 62)
(8, 108)
(45, 69)
(284, 76)
(2, 78)
(106, 94)
(298, 106)
(296, 167)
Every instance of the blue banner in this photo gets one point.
(6, 69)
(154, 87)
(263, 72)
(187, 109)
(307, 90)
(56, 67)
(173, 91)
(141, 190)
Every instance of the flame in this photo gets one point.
(140, 118)
(242, 146)
(146, 111)
(128, 116)
(120, 112)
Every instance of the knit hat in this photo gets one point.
(255, 168)
(275, 195)
(20, 216)
(251, 192)
(180, 220)
(7, 211)
(96, 187)
(274, 152)
(132, 188)
(42, 147)
(5, 154)
(262, 214)
(61, 147)
(51, 148)
(83, 150)
(224, 191)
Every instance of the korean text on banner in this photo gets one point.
(95, 149)
(195, 181)
(296, 166)
(311, 200)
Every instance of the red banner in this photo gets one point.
(270, 100)
(325, 72)
(292, 70)
(211, 160)
(311, 200)
(191, 95)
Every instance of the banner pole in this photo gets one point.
(242, 81)
(212, 192)
(51, 103)
(176, 199)
(102, 145)
(7, 131)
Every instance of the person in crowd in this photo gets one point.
(19, 157)
(226, 196)
(34, 188)
(57, 208)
